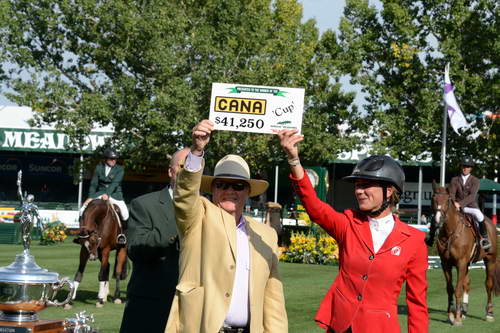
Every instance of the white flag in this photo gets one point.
(457, 119)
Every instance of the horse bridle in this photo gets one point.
(440, 214)
(86, 236)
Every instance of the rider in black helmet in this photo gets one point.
(106, 185)
(463, 191)
(384, 170)
(378, 251)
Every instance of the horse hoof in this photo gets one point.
(117, 301)
(490, 319)
(99, 305)
(458, 323)
(68, 306)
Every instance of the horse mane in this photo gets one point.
(90, 222)
(441, 190)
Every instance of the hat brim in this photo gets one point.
(257, 186)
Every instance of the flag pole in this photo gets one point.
(443, 145)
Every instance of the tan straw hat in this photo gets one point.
(234, 167)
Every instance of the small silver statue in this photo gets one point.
(29, 212)
(80, 324)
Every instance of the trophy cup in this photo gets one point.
(25, 287)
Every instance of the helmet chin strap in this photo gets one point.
(385, 204)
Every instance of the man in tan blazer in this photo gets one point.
(229, 280)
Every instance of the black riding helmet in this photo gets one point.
(467, 161)
(379, 168)
(110, 153)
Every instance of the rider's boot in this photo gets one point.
(484, 242)
(121, 239)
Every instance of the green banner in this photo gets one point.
(45, 140)
(258, 90)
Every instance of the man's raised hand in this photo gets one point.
(201, 136)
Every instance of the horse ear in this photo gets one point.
(434, 185)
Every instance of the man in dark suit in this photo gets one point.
(153, 247)
(463, 191)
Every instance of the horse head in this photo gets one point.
(89, 235)
(441, 202)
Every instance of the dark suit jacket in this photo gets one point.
(466, 194)
(110, 184)
(153, 249)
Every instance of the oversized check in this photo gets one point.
(258, 109)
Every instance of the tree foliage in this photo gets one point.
(146, 67)
(398, 54)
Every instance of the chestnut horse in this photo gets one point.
(456, 246)
(99, 227)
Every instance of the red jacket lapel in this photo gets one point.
(399, 234)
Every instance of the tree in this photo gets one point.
(398, 55)
(146, 67)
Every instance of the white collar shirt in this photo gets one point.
(107, 169)
(464, 178)
(380, 228)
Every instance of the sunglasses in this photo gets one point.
(236, 186)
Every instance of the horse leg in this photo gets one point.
(84, 257)
(459, 291)
(449, 289)
(489, 283)
(465, 299)
(103, 278)
(121, 260)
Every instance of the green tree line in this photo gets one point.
(146, 67)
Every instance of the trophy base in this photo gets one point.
(39, 326)
(18, 316)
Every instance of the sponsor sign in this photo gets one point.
(410, 194)
(256, 109)
(45, 140)
(68, 217)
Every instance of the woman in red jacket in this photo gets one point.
(377, 252)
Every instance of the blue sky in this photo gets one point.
(327, 14)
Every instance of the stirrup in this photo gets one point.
(485, 243)
(121, 239)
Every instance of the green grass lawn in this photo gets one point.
(305, 286)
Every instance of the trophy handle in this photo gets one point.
(57, 286)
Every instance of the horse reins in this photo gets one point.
(110, 206)
(455, 232)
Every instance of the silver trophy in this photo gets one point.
(29, 213)
(25, 287)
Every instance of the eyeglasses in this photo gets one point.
(237, 186)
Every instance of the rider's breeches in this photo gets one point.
(123, 207)
(120, 203)
(478, 215)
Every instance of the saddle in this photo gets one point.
(470, 223)
(121, 239)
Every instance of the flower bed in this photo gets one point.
(310, 249)
(53, 233)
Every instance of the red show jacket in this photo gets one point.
(364, 295)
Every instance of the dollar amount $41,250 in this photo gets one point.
(241, 122)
